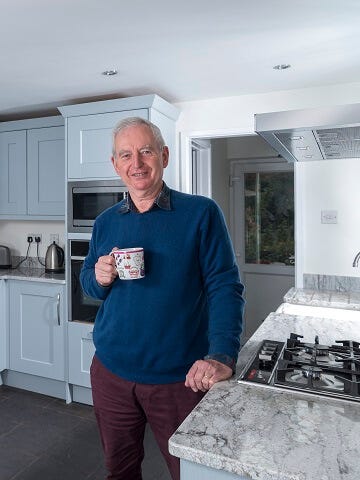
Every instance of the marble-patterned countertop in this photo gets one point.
(323, 298)
(32, 274)
(266, 433)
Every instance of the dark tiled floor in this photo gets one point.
(42, 438)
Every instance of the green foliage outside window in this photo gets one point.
(269, 218)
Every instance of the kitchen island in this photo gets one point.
(247, 431)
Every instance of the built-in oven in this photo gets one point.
(82, 307)
(87, 199)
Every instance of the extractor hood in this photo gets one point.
(314, 134)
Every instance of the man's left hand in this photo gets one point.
(204, 373)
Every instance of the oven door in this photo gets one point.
(83, 308)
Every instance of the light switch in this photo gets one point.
(329, 216)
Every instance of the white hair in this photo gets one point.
(134, 121)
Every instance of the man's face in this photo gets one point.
(139, 161)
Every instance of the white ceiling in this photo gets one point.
(53, 52)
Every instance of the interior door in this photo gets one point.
(262, 226)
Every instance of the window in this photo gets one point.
(269, 218)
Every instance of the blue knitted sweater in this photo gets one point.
(189, 304)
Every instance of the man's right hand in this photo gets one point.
(105, 271)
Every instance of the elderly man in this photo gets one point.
(163, 340)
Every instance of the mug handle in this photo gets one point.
(114, 250)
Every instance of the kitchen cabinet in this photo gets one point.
(81, 352)
(3, 328)
(37, 328)
(89, 133)
(192, 470)
(32, 169)
(46, 171)
(13, 173)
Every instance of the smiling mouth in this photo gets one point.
(140, 174)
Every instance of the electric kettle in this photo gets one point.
(5, 257)
(54, 259)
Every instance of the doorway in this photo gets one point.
(254, 187)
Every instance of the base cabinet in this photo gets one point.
(196, 471)
(3, 328)
(37, 329)
(81, 352)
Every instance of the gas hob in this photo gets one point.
(331, 370)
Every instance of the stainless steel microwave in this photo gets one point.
(87, 199)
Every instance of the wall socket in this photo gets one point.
(54, 237)
(329, 216)
(33, 236)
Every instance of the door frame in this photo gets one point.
(203, 175)
(185, 183)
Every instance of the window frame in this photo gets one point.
(237, 182)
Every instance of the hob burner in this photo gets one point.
(332, 370)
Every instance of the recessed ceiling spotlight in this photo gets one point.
(282, 66)
(109, 73)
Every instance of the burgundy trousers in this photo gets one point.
(123, 408)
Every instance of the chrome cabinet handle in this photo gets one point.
(58, 308)
(88, 336)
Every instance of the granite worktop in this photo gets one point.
(323, 298)
(265, 433)
(32, 274)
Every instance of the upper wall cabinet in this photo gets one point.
(13, 186)
(32, 169)
(89, 134)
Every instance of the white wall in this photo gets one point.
(13, 235)
(321, 250)
(249, 146)
(220, 170)
(220, 116)
(330, 185)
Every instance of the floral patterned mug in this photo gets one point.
(129, 263)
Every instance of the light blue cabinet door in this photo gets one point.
(81, 352)
(46, 171)
(37, 330)
(13, 190)
(89, 145)
(3, 328)
(196, 471)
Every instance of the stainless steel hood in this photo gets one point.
(315, 134)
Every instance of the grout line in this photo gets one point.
(24, 469)
(4, 435)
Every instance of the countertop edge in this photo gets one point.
(33, 275)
